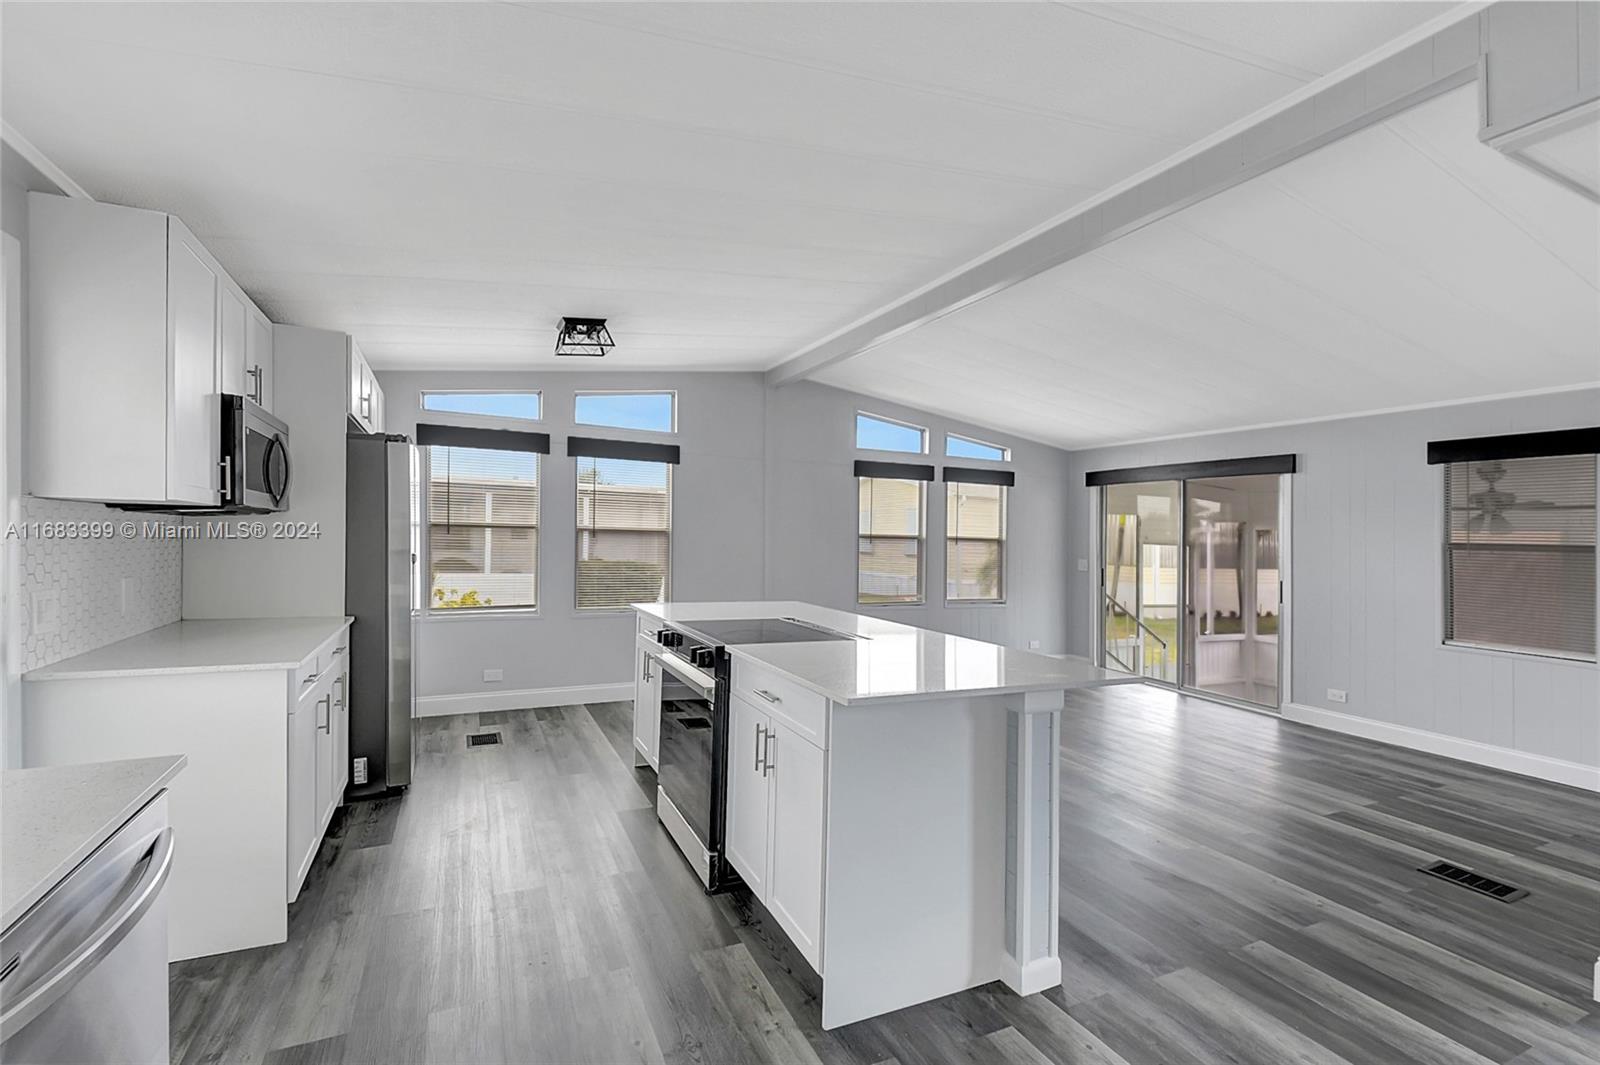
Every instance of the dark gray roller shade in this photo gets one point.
(484, 439)
(595, 448)
(1516, 446)
(977, 475)
(1182, 471)
(904, 471)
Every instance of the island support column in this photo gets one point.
(1033, 842)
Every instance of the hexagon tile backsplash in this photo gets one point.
(87, 574)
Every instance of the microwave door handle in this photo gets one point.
(227, 478)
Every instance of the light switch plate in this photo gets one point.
(130, 592)
(1338, 695)
(493, 676)
(1033, 645)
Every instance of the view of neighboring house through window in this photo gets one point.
(624, 532)
(520, 406)
(889, 545)
(654, 412)
(964, 447)
(975, 545)
(1520, 554)
(483, 528)
(875, 433)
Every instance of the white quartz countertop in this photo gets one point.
(211, 645)
(889, 660)
(53, 818)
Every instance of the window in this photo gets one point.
(889, 545)
(483, 528)
(519, 406)
(885, 434)
(964, 447)
(975, 542)
(1520, 554)
(624, 532)
(654, 412)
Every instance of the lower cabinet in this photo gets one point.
(319, 757)
(776, 820)
(302, 798)
(646, 708)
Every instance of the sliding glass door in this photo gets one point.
(1191, 583)
(1139, 595)
(1232, 597)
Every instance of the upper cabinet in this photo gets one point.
(366, 398)
(134, 330)
(258, 358)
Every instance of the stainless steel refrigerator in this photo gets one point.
(378, 574)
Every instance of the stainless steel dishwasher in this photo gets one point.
(84, 975)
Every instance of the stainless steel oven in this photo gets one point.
(689, 781)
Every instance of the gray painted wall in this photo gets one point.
(1367, 577)
(764, 506)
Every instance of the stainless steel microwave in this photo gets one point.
(254, 464)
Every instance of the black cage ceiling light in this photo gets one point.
(584, 336)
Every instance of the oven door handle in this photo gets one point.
(702, 683)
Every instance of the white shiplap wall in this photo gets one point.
(1367, 584)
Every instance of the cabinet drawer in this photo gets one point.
(800, 708)
(328, 659)
(314, 688)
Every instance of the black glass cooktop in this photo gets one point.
(734, 632)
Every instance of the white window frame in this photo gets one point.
(425, 538)
(1005, 452)
(486, 420)
(922, 543)
(891, 421)
(577, 531)
(580, 393)
(1005, 550)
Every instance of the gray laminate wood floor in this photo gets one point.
(1235, 889)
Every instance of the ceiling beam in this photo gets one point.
(1435, 57)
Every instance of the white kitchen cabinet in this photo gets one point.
(646, 707)
(258, 358)
(134, 329)
(301, 838)
(366, 398)
(749, 791)
(232, 330)
(776, 812)
(333, 741)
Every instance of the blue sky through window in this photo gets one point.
(959, 447)
(649, 411)
(523, 405)
(876, 434)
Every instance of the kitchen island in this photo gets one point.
(891, 795)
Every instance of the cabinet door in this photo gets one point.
(194, 415)
(341, 735)
(258, 359)
(358, 382)
(327, 758)
(302, 834)
(376, 405)
(646, 709)
(232, 342)
(748, 795)
(794, 891)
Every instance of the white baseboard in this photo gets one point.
(521, 699)
(1556, 770)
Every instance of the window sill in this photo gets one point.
(958, 603)
(1459, 647)
(479, 613)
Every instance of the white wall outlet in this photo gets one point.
(1033, 645)
(45, 612)
(1338, 695)
(1083, 565)
(493, 676)
(358, 771)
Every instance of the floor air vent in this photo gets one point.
(483, 739)
(1468, 879)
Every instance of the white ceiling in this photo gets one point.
(729, 182)
(1404, 265)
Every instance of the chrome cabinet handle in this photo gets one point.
(254, 373)
(227, 478)
(766, 753)
(647, 674)
(760, 744)
(312, 679)
(768, 696)
(327, 720)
